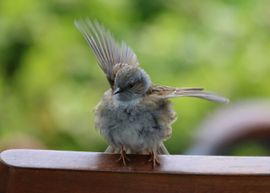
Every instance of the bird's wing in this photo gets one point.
(171, 92)
(108, 52)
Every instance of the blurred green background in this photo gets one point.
(50, 82)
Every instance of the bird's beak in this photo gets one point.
(116, 91)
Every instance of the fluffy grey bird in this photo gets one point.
(134, 115)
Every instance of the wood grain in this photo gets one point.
(40, 171)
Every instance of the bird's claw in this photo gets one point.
(123, 157)
(154, 159)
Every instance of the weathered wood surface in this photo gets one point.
(40, 171)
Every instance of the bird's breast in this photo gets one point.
(137, 125)
(125, 104)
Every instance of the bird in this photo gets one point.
(134, 115)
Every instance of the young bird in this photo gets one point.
(134, 115)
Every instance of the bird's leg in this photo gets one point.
(154, 158)
(123, 156)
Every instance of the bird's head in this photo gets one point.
(131, 83)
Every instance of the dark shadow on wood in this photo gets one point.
(40, 171)
(3, 176)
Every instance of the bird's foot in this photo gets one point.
(123, 157)
(154, 159)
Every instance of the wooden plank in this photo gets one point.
(3, 176)
(40, 171)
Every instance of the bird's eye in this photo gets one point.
(130, 85)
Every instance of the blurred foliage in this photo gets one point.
(49, 80)
(255, 147)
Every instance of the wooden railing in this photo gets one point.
(40, 171)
